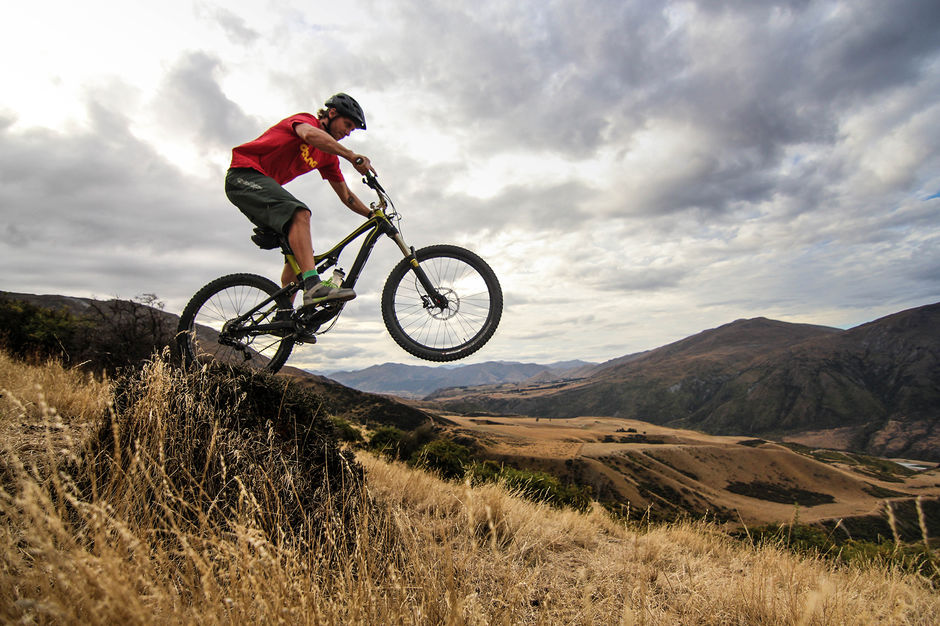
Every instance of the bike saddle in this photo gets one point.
(266, 238)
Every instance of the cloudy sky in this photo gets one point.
(635, 172)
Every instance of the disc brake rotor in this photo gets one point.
(453, 305)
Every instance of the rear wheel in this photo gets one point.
(208, 330)
(443, 331)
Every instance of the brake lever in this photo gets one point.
(370, 180)
(384, 201)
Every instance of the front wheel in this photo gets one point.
(442, 331)
(225, 321)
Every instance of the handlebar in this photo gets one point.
(371, 180)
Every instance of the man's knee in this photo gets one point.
(301, 219)
(299, 223)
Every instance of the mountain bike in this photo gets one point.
(439, 303)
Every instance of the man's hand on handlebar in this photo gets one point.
(362, 164)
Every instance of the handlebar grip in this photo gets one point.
(370, 179)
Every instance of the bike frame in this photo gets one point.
(379, 223)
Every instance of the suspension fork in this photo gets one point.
(435, 296)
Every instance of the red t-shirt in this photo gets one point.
(282, 155)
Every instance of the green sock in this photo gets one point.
(310, 278)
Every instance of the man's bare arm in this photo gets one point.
(322, 140)
(348, 198)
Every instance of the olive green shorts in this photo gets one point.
(261, 198)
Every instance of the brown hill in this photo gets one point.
(414, 381)
(874, 388)
(359, 406)
(663, 473)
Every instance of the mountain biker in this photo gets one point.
(294, 146)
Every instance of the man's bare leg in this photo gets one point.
(298, 236)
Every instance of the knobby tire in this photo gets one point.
(474, 310)
(222, 300)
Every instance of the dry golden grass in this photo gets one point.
(47, 398)
(26, 389)
(425, 552)
(505, 559)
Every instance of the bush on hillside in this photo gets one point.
(109, 336)
(219, 443)
(31, 332)
(346, 431)
(533, 485)
(398, 444)
(453, 460)
(805, 539)
(128, 332)
(386, 440)
(446, 458)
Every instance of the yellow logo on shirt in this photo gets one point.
(305, 155)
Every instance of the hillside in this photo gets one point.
(874, 388)
(132, 330)
(124, 543)
(667, 473)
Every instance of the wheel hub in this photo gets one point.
(450, 309)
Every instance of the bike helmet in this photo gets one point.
(347, 106)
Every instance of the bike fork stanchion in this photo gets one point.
(434, 295)
(436, 298)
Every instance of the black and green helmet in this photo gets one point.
(347, 106)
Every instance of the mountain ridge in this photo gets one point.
(418, 381)
(874, 388)
(879, 382)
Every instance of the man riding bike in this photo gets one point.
(294, 146)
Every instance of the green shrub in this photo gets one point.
(387, 440)
(29, 331)
(107, 336)
(814, 541)
(128, 332)
(398, 444)
(346, 431)
(447, 458)
(533, 485)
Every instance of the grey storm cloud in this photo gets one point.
(98, 182)
(546, 75)
(759, 77)
(100, 204)
(191, 99)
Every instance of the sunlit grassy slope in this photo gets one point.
(417, 551)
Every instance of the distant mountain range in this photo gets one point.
(874, 388)
(412, 381)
